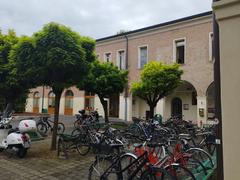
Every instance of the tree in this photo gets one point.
(105, 80)
(13, 86)
(60, 58)
(157, 80)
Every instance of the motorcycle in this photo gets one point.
(16, 140)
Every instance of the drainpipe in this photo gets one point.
(217, 83)
(42, 98)
(126, 88)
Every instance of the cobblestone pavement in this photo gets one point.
(41, 163)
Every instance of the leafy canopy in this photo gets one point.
(62, 55)
(157, 81)
(105, 79)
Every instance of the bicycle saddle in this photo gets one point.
(82, 111)
(185, 136)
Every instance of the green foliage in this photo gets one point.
(105, 79)
(157, 81)
(62, 55)
(13, 82)
(60, 58)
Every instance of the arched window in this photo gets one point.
(69, 99)
(89, 100)
(51, 99)
(36, 97)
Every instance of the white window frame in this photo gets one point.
(105, 57)
(118, 59)
(175, 49)
(210, 45)
(139, 55)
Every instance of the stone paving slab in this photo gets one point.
(37, 165)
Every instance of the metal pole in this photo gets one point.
(126, 88)
(42, 98)
(218, 113)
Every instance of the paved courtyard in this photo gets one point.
(41, 163)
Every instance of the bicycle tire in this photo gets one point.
(61, 128)
(76, 132)
(180, 172)
(195, 165)
(83, 145)
(61, 148)
(42, 128)
(98, 167)
(76, 124)
(125, 160)
(155, 173)
(202, 156)
(96, 126)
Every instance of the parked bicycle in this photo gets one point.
(87, 119)
(44, 125)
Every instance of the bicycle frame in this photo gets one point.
(119, 171)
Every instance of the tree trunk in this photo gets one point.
(56, 117)
(151, 112)
(105, 108)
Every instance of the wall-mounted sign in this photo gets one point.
(185, 106)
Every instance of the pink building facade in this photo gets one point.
(187, 41)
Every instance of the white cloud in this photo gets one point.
(95, 18)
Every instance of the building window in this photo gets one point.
(108, 57)
(142, 57)
(69, 99)
(36, 97)
(121, 59)
(89, 101)
(51, 100)
(179, 52)
(210, 46)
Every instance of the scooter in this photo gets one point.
(16, 140)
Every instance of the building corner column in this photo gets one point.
(125, 107)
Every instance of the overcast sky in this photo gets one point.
(94, 18)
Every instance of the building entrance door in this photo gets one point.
(114, 106)
(177, 107)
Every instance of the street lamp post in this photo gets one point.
(42, 98)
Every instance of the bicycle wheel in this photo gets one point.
(61, 148)
(83, 144)
(125, 161)
(180, 172)
(194, 165)
(202, 156)
(61, 128)
(155, 173)
(99, 166)
(76, 132)
(96, 126)
(42, 128)
(76, 124)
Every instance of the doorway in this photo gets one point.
(68, 110)
(114, 106)
(36, 97)
(177, 107)
(51, 103)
